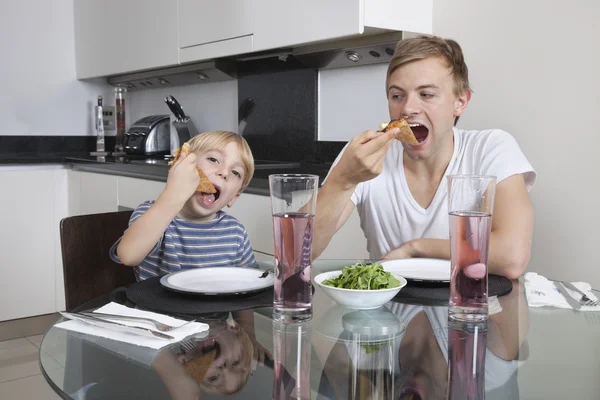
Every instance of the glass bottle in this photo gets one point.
(120, 93)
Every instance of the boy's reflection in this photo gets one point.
(220, 363)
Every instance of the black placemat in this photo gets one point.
(151, 295)
(439, 293)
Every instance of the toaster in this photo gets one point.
(148, 136)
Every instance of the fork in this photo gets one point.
(187, 345)
(585, 300)
(159, 325)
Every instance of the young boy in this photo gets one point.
(186, 229)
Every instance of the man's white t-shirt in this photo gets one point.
(390, 216)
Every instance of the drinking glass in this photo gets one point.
(470, 206)
(293, 206)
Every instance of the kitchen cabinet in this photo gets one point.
(209, 29)
(133, 191)
(254, 212)
(280, 23)
(91, 193)
(30, 258)
(116, 36)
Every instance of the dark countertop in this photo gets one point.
(157, 169)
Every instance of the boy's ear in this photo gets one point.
(232, 201)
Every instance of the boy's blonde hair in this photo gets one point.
(217, 140)
(423, 47)
(248, 349)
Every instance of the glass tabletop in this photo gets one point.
(406, 349)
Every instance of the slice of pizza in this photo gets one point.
(405, 135)
(205, 185)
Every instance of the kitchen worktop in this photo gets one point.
(156, 168)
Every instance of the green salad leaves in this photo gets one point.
(363, 276)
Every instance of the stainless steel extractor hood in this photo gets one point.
(363, 50)
(204, 72)
(356, 51)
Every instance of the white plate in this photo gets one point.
(218, 280)
(420, 269)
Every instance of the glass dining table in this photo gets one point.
(407, 349)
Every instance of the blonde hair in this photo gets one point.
(248, 349)
(217, 140)
(423, 47)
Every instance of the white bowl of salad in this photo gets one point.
(361, 286)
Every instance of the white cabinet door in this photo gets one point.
(133, 192)
(288, 23)
(117, 36)
(284, 23)
(27, 242)
(206, 21)
(91, 193)
(254, 212)
(210, 29)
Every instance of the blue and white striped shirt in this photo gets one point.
(222, 242)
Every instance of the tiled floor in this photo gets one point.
(20, 375)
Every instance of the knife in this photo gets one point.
(172, 107)
(572, 302)
(115, 326)
(243, 113)
(182, 116)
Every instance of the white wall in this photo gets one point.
(38, 91)
(351, 100)
(534, 69)
(211, 106)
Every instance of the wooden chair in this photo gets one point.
(88, 270)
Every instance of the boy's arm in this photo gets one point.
(141, 237)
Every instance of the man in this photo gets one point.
(400, 189)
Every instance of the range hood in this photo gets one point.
(356, 51)
(204, 72)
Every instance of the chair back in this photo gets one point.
(88, 270)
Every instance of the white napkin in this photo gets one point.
(138, 340)
(541, 292)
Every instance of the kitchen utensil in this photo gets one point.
(244, 112)
(585, 300)
(149, 135)
(172, 107)
(159, 325)
(115, 325)
(572, 302)
(180, 113)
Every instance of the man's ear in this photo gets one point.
(460, 105)
(232, 201)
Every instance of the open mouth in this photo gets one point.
(208, 199)
(421, 132)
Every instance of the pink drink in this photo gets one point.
(469, 242)
(466, 362)
(293, 285)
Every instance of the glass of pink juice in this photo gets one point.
(293, 206)
(470, 206)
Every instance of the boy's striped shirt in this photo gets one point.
(222, 242)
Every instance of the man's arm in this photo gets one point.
(362, 160)
(510, 241)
